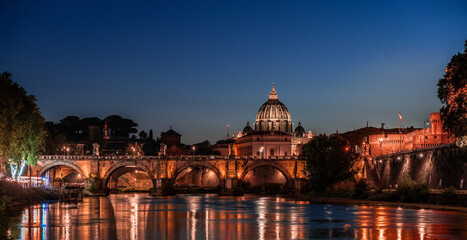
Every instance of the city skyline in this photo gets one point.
(198, 67)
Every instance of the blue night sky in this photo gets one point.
(202, 65)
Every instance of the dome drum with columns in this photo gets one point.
(273, 133)
(273, 115)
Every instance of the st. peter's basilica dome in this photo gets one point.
(273, 115)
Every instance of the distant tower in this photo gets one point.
(436, 124)
(106, 131)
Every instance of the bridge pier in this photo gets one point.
(230, 187)
(299, 185)
(162, 187)
(96, 183)
(113, 183)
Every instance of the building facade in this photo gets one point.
(171, 143)
(395, 140)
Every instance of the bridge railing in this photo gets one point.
(414, 151)
(178, 157)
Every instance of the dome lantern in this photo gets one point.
(273, 94)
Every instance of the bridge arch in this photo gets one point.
(117, 166)
(275, 165)
(210, 166)
(72, 165)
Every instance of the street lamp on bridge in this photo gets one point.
(194, 148)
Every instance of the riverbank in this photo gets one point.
(348, 201)
(13, 197)
(13, 194)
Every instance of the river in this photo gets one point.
(139, 216)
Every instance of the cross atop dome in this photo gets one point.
(273, 93)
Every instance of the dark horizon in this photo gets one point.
(200, 66)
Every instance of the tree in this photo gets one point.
(22, 133)
(452, 92)
(84, 124)
(143, 135)
(151, 137)
(150, 148)
(120, 127)
(329, 160)
(69, 126)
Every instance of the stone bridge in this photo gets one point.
(164, 171)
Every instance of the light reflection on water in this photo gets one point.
(139, 216)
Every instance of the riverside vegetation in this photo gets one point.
(408, 191)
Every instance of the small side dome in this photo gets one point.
(247, 129)
(299, 130)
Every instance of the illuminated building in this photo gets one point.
(172, 141)
(273, 133)
(391, 141)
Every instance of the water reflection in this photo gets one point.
(138, 216)
(92, 219)
(397, 223)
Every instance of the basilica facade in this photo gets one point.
(273, 134)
